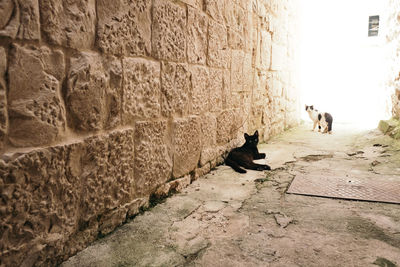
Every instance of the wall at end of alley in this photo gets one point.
(106, 103)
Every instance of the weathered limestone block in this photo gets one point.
(248, 73)
(153, 163)
(35, 109)
(235, 39)
(20, 19)
(107, 171)
(234, 16)
(226, 89)
(187, 145)
(208, 138)
(3, 97)
(94, 90)
(141, 90)
(279, 57)
(225, 126)
(175, 89)
(174, 186)
(200, 92)
(215, 8)
(215, 87)
(124, 27)
(39, 207)
(197, 36)
(264, 54)
(169, 31)
(237, 70)
(111, 219)
(218, 54)
(69, 23)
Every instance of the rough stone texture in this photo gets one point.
(71, 186)
(153, 163)
(141, 90)
(208, 138)
(218, 54)
(187, 145)
(197, 36)
(168, 31)
(20, 19)
(200, 99)
(94, 92)
(36, 111)
(69, 23)
(215, 87)
(3, 98)
(215, 8)
(175, 89)
(105, 103)
(124, 27)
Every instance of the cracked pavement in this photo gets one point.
(231, 219)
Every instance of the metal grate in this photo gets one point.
(347, 188)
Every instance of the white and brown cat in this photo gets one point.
(322, 119)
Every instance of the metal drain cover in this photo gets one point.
(346, 188)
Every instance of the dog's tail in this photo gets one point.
(234, 165)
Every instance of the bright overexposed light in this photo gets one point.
(342, 70)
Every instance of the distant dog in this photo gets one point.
(324, 119)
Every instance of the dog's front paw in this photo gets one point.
(266, 167)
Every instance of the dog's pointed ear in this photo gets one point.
(246, 136)
(256, 133)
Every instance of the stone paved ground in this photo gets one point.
(231, 219)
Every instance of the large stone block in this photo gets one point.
(248, 73)
(197, 36)
(215, 87)
(235, 39)
(208, 138)
(234, 16)
(175, 89)
(226, 89)
(3, 97)
(215, 8)
(264, 55)
(237, 70)
(124, 27)
(218, 54)
(187, 145)
(153, 163)
(53, 197)
(141, 90)
(94, 92)
(20, 19)
(36, 111)
(169, 31)
(225, 126)
(39, 207)
(69, 23)
(200, 96)
(107, 171)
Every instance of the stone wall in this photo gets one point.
(106, 103)
(393, 45)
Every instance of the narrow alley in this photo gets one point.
(231, 219)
